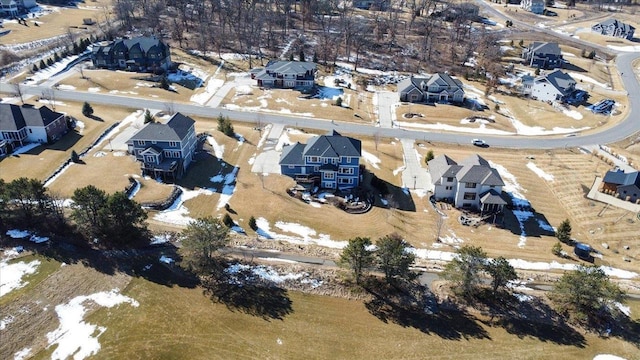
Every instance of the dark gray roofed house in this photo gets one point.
(472, 183)
(555, 86)
(136, 54)
(543, 55)
(626, 186)
(330, 161)
(28, 124)
(614, 27)
(439, 87)
(165, 150)
(286, 74)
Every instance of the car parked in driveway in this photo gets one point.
(479, 142)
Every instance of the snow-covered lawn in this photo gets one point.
(270, 274)
(177, 213)
(371, 159)
(76, 338)
(305, 234)
(218, 150)
(541, 173)
(226, 181)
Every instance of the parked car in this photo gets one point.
(478, 142)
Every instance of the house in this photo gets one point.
(625, 186)
(534, 6)
(380, 5)
(14, 8)
(286, 74)
(439, 87)
(470, 184)
(137, 54)
(613, 27)
(543, 55)
(555, 86)
(330, 161)
(165, 150)
(24, 124)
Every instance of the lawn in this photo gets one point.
(173, 322)
(42, 161)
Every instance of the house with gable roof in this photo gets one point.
(534, 6)
(165, 150)
(146, 53)
(626, 186)
(285, 74)
(330, 161)
(614, 27)
(470, 184)
(439, 87)
(24, 124)
(543, 55)
(555, 86)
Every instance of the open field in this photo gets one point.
(56, 22)
(42, 161)
(182, 323)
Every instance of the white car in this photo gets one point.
(478, 142)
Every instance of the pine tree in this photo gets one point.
(34, 68)
(301, 55)
(357, 257)
(43, 65)
(148, 118)
(87, 110)
(564, 231)
(252, 223)
(429, 156)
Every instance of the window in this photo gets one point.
(30, 131)
(314, 159)
(292, 166)
(470, 185)
(449, 179)
(469, 196)
(173, 143)
(345, 181)
(448, 187)
(140, 142)
(329, 175)
(346, 171)
(347, 159)
(316, 168)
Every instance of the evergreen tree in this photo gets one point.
(301, 55)
(501, 273)
(564, 231)
(43, 65)
(124, 224)
(252, 223)
(225, 126)
(87, 110)
(228, 221)
(200, 241)
(315, 57)
(586, 294)
(429, 156)
(465, 269)
(148, 118)
(88, 205)
(392, 258)
(34, 68)
(357, 257)
(74, 157)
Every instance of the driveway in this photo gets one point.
(222, 92)
(386, 101)
(267, 161)
(414, 175)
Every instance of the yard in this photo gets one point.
(138, 317)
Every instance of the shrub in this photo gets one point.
(557, 249)
(74, 156)
(429, 156)
(228, 221)
(339, 101)
(252, 223)
(225, 126)
(87, 110)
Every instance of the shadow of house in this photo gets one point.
(522, 219)
(387, 195)
(211, 173)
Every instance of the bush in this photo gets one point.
(228, 221)
(339, 101)
(252, 223)
(225, 126)
(164, 83)
(74, 156)
(557, 249)
(87, 110)
(429, 156)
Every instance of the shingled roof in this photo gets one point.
(333, 145)
(14, 117)
(473, 169)
(176, 129)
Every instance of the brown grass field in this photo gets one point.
(315, 327)
(59, 22)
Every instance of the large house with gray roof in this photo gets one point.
(624, 185)
(613, 27)
(470, 184)
(24, 124)
(330, 161)
(286, 74)
(554, 86)
(543, 55)
(165, 150)
(147, 54)
(439, 87)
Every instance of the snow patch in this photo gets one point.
(533, 167)
(371, 159)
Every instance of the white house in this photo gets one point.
(534, 6)
(439, 87)
(555, 86)
(471, 184)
